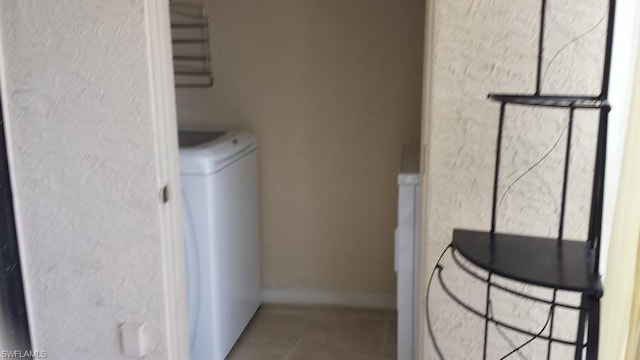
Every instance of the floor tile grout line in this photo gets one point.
(292, 349)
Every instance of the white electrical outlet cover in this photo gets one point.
(133, 340)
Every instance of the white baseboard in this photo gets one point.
(323, 297)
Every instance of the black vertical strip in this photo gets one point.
(606, 71)
(593, 334)
(552, 316)
(14, 324)
(487, 316)
(565, 177)
(496, 174)
(595, 223)
(494, 210)
(543, 15)
(582, 320)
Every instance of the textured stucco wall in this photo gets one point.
(490, 46)
(84, 172)
(332, 90)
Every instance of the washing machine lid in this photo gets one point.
(205, 152)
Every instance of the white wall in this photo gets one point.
(620, 323)
(491, 46)
(82, 142)
(625, 49)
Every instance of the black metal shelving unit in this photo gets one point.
(554, 263)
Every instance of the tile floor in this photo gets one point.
(290, 332)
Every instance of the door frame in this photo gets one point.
(163, 99)
(425, 132)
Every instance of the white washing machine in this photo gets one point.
(220, 200)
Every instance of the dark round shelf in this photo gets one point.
(547, 262)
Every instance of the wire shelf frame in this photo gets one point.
(191, 45)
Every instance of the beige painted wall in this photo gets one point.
(490, 46)
(332, 90)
